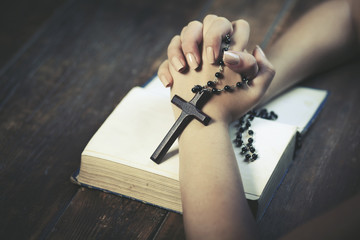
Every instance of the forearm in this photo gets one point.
(213, 199)
(321, 39)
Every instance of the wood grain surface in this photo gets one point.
(82, 58)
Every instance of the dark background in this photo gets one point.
(65, 65)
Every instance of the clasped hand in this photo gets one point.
(192, 58)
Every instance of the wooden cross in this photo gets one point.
(190, 110)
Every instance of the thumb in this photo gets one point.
(266, 70)
(241, 62)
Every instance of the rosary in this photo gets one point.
(190, 110)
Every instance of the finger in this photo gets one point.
(191, 38)
(241, 62)
(215, 30)
(175, 54)
(164, 74)
(240, 36)
(266, 71)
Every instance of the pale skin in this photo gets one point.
(214, 204)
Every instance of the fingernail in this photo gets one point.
(260, 50)
(191, 60)
(210, 54)
(164, 80)
(231, 58)
(177, 64)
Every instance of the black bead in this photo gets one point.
(254, 156)
(241, 130)
(244, 149)
(211, 83)
(239, 84)
(251, 117)
(198, 87)
(227, 40)
(221, 63)
(218, 75)
(252, 149)
(215, 91)
(250, 132)
(225, 49)
(227, 88)
(247, 156)
(250, 140)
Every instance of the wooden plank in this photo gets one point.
(259, 14)
(295, 11)
(98, 215)
(58, 92)
(20, 19)
(326, 169)
(172, 228)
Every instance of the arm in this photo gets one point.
(323, 38)
(213, 199)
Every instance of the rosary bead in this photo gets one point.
(254, 156)
(211, 83)
(196, 88)
(252, 149)
(241, 130)
(218, 75)
(215, 90)
(250, 132)
(239, 84)
(244, 149)
(250, 140)
(221, 63)
(225, 49)
(247, 156)
(227, 88)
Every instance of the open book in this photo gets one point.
(117, 158)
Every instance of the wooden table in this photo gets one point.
(56, 91)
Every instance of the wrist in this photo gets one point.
(196, 132)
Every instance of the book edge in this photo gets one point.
(74, 178)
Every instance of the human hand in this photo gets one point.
(185, 50)
(226, 106)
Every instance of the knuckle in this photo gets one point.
(243, 23)
(183, 31)
(174, 41)
(209, 17)
(162, 67)
(271, 70)
(194, 23)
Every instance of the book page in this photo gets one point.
(298, 106)
(133, 131)
(138, 124)
(270, 141)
